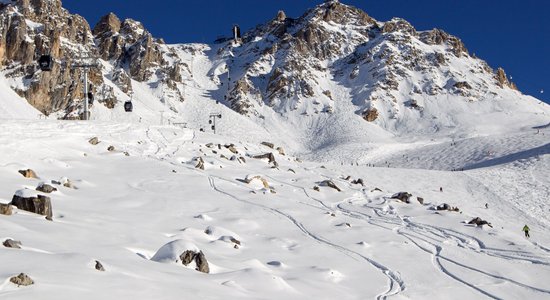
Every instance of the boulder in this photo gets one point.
(111, 148)
(420, 200)
(202, 263)
(9, 243)
(28, 173)
(94, 141)
(46, 188)
(479, 222)
(233, 149)
(330, 184)
(269, 156)
(187, 257)
(99, 266)
(22, 279)
(316, 188)
(281, 150)
(200, 260)
(446, 206)
(268, 144)
(40, 204)
(200, 163)
(6, 209)
(358, 181)
(402, 196)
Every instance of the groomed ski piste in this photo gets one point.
(136, 214)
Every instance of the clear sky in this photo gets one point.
(514, 34)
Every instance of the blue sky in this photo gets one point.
(514, 34)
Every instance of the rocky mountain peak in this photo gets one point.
(107, 23)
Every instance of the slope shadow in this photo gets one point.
(542, 150)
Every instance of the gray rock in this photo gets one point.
(268, 144)
(46, 188)
(330, 184)
(9, 243)
(187, 257)
(41, 205)
(200, 260)
(202, 263)
(479, 222)
(200, 163)
(22, 279)
(402, 196)
(94, 141)
(111, 148)
(99, 266)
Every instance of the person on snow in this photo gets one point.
(526, 230)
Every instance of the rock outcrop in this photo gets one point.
(39, 204)
(200, 260)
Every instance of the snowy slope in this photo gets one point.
(13, 106)
(297, 243)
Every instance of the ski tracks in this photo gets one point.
(396, 284)
(429, 239)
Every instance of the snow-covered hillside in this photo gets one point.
(357, 110)
(136, 214)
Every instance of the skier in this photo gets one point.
(526, 230)
(486, 205)
(441, 189)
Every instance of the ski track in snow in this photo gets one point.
(396, 284)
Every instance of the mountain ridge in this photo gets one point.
(333, 74)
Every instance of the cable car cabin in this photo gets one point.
(45, 62)
(90, 98)
(128, 107)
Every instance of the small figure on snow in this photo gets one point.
(526, 230)
(486, 205)
(441, 189)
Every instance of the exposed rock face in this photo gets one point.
(21, 279)
(40, 204)
(370, 115)
(502, 79)
(33, 28)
